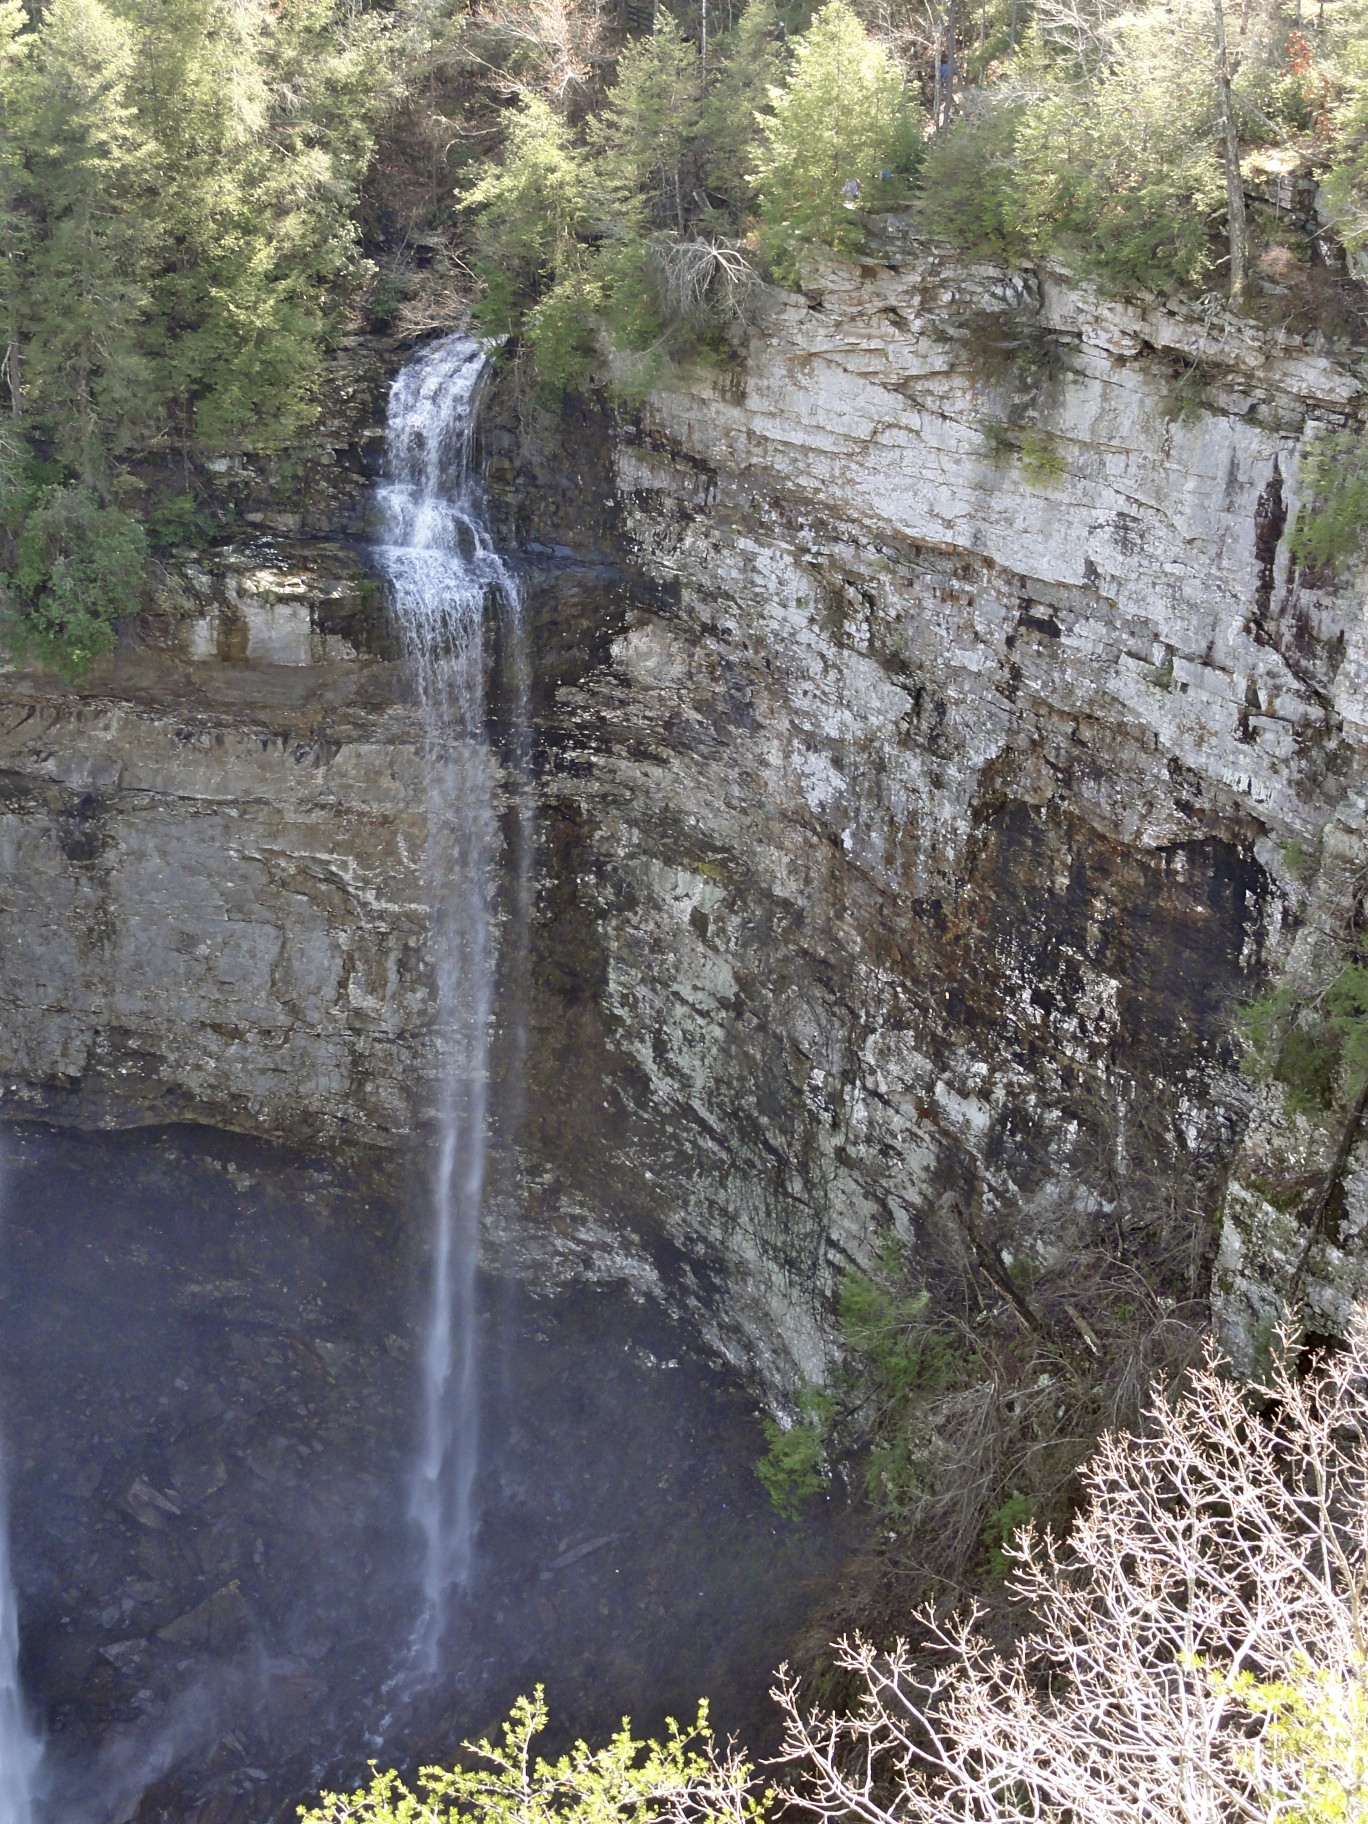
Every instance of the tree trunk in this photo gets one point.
(1235, 209)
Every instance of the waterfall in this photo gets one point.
(446, 577)
(19, 1746)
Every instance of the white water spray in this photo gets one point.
(20, 1749)
(446, 577)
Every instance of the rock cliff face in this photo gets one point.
(923, 707)
(950, 828)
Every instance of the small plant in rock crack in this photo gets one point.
(1300, 860)
(1332, 522)
(794, 1465)
(1314, 1044)
(1036, 450)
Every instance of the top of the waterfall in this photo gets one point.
(431, 417)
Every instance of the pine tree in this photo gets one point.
(840, 123)
(750, 64)
(15, 40)
(532, 213)
(262, 123)
(649, 158)
(89, 380)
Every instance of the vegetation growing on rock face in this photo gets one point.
(973, 1385)
(1331, 526)
(179, 185)
(1193, 1648)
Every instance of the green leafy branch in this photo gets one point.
(688, 1778)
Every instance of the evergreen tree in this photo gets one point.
(89, 380)
(1124, 173)
(532, 212)
(262, 120)
(843, 125)
(649, 160)
(750, 63)
(15, 40)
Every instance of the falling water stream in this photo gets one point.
(446, 579)
(19, 1746)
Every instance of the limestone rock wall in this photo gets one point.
(945, 828)
(211, 912)
(923, 705)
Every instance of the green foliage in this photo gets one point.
(1300, 862)
(392, 292)
(85, 295)
(1330, 526)
(898, 1358)
(177, 521)
(794, 1464)
(1124, 174)
(1310, 1759)
(900, 1361)
(1004, 1523)
(645, 142)
(178, 186)
(969, 185)
(1035, 449)
(532, 212)
(1345, 184)
(78, 569)
(1315, 1046)
(629, 1781)
(1113, 164)
(1040, 457)
(884, 1323)
(560, 333)
(750, 64)
(842, 118)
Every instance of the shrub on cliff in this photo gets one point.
(1196, 1648)
(1332, 524)
(78, 569)
(1117, 169)
(689, 1778)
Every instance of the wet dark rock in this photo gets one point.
(216, 1625)
(246, 1645)
(147, 1505)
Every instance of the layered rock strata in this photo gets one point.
(924, 703)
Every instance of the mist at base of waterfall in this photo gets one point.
(20, 1749)
(207, 1374)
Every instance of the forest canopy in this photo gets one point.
(197, 197)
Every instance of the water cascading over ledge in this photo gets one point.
(446, 577)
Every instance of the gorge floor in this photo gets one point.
(207, 1366)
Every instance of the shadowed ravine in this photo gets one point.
(276, 1508)
(209, 1359)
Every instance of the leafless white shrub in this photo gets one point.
(1078, 29)
(699, 272)
(441, 300)
(1227, 1544)
(546, 47)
